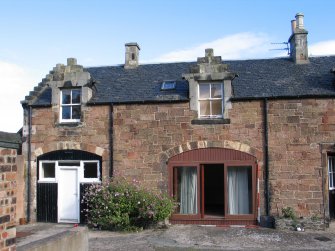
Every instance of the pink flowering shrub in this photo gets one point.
(119, 205)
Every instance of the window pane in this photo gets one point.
(48, 170)
(204, 91)
(205, 109)
(76, 112)
(239, 190)
(69, 163)
(66, 97)
(91, 170)
(217, 107)
(186, 189)
(76, 96)
(66, 112)
(216, 91)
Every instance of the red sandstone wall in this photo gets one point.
(91, 135)
(142, 133)
(8, 194)
(296, 130)
(145, 134)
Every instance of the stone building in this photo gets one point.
(230, 140)
(9, 147)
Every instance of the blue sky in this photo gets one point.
(36, 35)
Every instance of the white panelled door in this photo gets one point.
(68, 195)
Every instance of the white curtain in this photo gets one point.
(188, 190)
(238, 191)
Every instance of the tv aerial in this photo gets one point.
(287, 48)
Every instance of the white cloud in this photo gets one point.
(322, 48)
(235, 46)
(15, 83)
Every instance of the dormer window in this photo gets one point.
(210, 100)
(70, 108)
(168, 85)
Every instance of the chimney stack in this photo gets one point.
(298, 40)
(132, 55)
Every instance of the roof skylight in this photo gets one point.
(168, 85)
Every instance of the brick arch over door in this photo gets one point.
(225, 144)
(68, 146)
(212, 154)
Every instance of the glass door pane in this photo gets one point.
(186, 189)
(239, 186)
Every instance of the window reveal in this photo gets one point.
(70, 105)
(211, 100)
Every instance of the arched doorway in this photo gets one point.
(213, 186)
(62, 177)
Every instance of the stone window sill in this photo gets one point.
(69, 124)
(210, 121)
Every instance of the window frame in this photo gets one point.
(331, 173)
(71, 105)
(41, 172)
(210, 99)
(200, 165)
(80, 168)
(83, 179)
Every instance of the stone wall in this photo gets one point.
(144, 135)
(308, 223)
(91, 135)
(297, 128)
(8, 194)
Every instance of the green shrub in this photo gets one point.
(119, 205)
(288, 212)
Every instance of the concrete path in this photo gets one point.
(190, 237)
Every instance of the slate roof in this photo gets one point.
(10, 140)
(260, 78)
(143, 84)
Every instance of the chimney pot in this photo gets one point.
(71, 61)
(293, 25)
(209, 52)
(300, 20)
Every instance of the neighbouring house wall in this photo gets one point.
(91, 135)
(8, 194)
(20, 187)
(145, 136)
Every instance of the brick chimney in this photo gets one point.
(132, 55)
(298, 40)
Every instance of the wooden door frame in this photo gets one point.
(200, 191)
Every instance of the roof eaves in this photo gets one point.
(236, 99)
